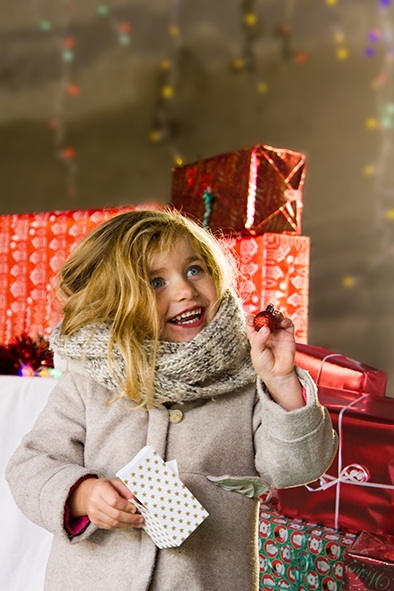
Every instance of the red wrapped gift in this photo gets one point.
(369, 564)
(274, 269)
(357, 492)
(337, 371)
(32, 249)
(246, 192)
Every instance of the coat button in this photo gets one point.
(176, 416)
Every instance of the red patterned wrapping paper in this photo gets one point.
(275, 269)
(337, 371)
(369, 564)
(246, 192)
(32, 249)
(357, 492)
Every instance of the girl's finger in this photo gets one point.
(278, 315)
(116, 519)
(287, 323)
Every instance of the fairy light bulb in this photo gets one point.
(155, 136)
(102, 10)
(68, 55)
(26, 371)
(262, 88)
(371, 123)
(43, 372)
(45, 26)
(173, 31)
(250, 19)
(369, 170)
(167, 92)
(342, 54)
(73, 90)
(55, 373)
(348, 282)
(124, 39)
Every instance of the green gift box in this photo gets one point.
(299, 555)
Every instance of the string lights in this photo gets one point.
(164, 126)
(68, 87)
(251, 30)
(382, 39)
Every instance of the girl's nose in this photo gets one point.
(183, 290)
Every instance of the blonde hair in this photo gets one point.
(106, 279)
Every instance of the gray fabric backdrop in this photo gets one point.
(319, 107)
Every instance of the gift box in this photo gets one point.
(246, 192)
(337, 371)
(369, 563)
(166, 528)
(32, 249)
(299, 555)
(274, 268)
(357, 492)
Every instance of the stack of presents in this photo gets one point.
(335, 534)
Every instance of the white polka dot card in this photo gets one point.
(171, 513)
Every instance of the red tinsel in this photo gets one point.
(24, 350)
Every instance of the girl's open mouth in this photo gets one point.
(192, 317)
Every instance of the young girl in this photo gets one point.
(155, 350)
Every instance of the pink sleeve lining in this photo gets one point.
(77, 525)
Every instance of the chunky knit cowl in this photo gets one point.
(215, 362)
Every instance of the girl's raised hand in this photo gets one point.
(105, 502)
(272, 356)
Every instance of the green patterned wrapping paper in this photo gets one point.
(299, 555)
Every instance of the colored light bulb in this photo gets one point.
(26, 371)
(45, 26)
(102, 10)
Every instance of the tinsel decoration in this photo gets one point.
(24, 351)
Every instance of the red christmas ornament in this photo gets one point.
(267, 318)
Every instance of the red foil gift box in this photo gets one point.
(369, 564)
(246, 192)
(274, 268)
(32, 249)
(357, 492)
(337, 371)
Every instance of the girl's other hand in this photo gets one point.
(272, 356)
(105, 502)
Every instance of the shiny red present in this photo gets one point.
(357, 492)
(337, 371)
(246, 192)
(369, 564)
(32, 249)
(274, 268)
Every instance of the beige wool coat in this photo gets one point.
(241, 434)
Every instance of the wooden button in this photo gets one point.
(176, 415)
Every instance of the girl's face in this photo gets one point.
(186, 295)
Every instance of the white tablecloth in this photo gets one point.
(24, 547)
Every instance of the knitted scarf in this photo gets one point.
(215, 362)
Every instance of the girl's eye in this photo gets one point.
(194, 270)
(156, 283)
